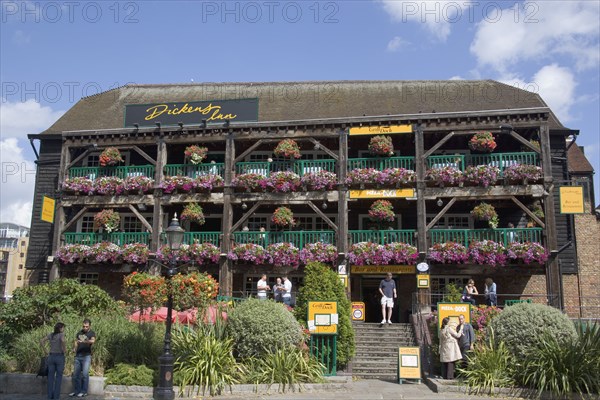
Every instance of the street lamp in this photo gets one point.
(164, 391)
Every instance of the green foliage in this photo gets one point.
(321, 283)
(285, 366)
(563, 368)
(129, 375)
(522, 327)
(258, 327)
(490, 365)
(36, 305)
(204, 362)
(452, 293)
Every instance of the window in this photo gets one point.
(307, 222)
(19, 277)
(23, 243)
(88, 278)
(131, 223)
(20, 266)
(438, 285)
(87, 224)
(365, 223)
(22, 255)
(4, 256)
(452, 221)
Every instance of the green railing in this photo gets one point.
(383, 236)
(502, 235)
(500, 160)
(324, 349)
(119, 238)
(194, 170)
(197, 237)
(299, 167)
(454, 161)
(381, 163)
(298, 238)
(121, 172)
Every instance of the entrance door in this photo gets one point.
(369, 294)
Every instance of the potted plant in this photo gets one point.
(105, 252)
(283, 255)
(381, 146)
(193, 212)
(283, 182)
(107, 219)
(195, 154)
(486, 212)
(283, 217)
(208, 182)
(382, 211)
(172, 184)
(143, 290)
(523, 173)
(321, 252)
(73, 253)
(287, 148)
(196, 289)
(360, 177)
(110, 156)
(528, 252)
(397, 177)
(482, 141)
(204, 253)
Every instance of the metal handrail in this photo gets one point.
(500, 235)
(120, 172)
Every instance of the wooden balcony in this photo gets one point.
(384, 236)
(119, 238)
(298, 238)
(120, 172)
(501, 235)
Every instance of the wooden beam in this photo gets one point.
(342, 194)
(144, 154)
(528, 212)
(76, 160)
(73, 220)
(325, 218)
(420, 175)
(248, 151)
(439, 144)
(245, 217)
(141, 218)
(440, 214)
(481, 193)
(524, 141)
(324, 148)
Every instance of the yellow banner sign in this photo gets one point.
(322, 317)
(383, 269)
(378, 194)
(409, 363)
(423, 281)
(571, 200)
(48, 209)
(380, 129)
(452, 311)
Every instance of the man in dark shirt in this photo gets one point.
(387, 288)
(83, 359)
(467, 339)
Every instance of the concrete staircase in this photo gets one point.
(377, 349)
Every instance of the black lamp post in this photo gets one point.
(164, 391)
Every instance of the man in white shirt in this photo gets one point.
(262, 287)
(287, 291)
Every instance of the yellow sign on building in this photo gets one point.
(358, 311)
(383, 269)
(322, 317)
(409, 363)
(423, 281)
(384, 193)
(571, 200)
(452, 311)
(381, 129)
(48, 205)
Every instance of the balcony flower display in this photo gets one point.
(193, 212)
(249, 252)
(143, 290)
(283, 255)
(110, 156)
(381, 146)
(73, 253)
(195, 154)
(322, 180)
(486, 212)
(173, 184)
(108, 185)
(107, 219)
(487, 252)
(78, 184)
(528, 252)
(482, 141)
(135, 253)
(322, 252)
(283, 182)
(105, 252)
(368, 253)
(448, 253)
(196, 289)
(481, 175)
(382, 211)
(283, 217)
(251, 182)
(523, 173)
(207, 182)
(137, 184)
(204, 253)
(445, 176)
(287, 148)
(165, 254)
(398, 177)
(402, 253)
(363, 176)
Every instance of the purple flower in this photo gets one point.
(487, 252)
(448, 253)
(207, 182)
(250, 181)
(283, 255)
(322, 180)
(402, 253)
(108, 185)
(283, 182)
(482, 175)
(449, 176)
(322, 252)
(249, 252)
(520, 173)
(173, 183)
(368, 253)
(78, 184)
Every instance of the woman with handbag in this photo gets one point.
(56, 360)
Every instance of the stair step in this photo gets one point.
(382, 377)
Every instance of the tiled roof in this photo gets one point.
(577, 161)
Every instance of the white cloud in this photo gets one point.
(18, 181)
(21, 118)
(397, 43)
(540, 31)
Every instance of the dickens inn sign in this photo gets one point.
(191, 112)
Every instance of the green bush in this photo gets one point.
(258, 327)
(522, 326)
(129, 375)
(452, 293)
(321, 283)
(204, 362)
(286, 367)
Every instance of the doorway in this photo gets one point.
(369, 294)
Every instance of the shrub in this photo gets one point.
(522, 326)
(321, 283)
(129, 375)
(258, 327)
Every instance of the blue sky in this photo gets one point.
(52, 53)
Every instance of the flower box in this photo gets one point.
(73, 253)
(363, 176)
(319, 181)
(402, 253)
(135, 253)
(445, 176)
(528, 252)
(108, 185)
(250, 182)
(105, 252)
(397, 177)
(283, 255)
(448, 253)
(249, 252)
(319, 251)
(208, 183)
(368, 253)
(523, 174)
(283, 182)
(78, 185)
(481, 175)
(138, 184)
(487, 252)
(174, 184)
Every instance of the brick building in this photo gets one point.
(14, 240)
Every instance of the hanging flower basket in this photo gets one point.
(283, 217)
(142, 290)
(283, 255)
(107, 219)
(486, 212)
(321, 252)
(482, 141)
(193, 212)
(381, 146)
(110, 156)
(195, 154)
(287, 148)
(382, 211)
(193, 290)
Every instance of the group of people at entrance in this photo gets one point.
(455, 342)
(470, 291)
(282, 290)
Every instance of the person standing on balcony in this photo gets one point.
(387, 288)
(287, 291)
(262, 287)
(491, 299)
